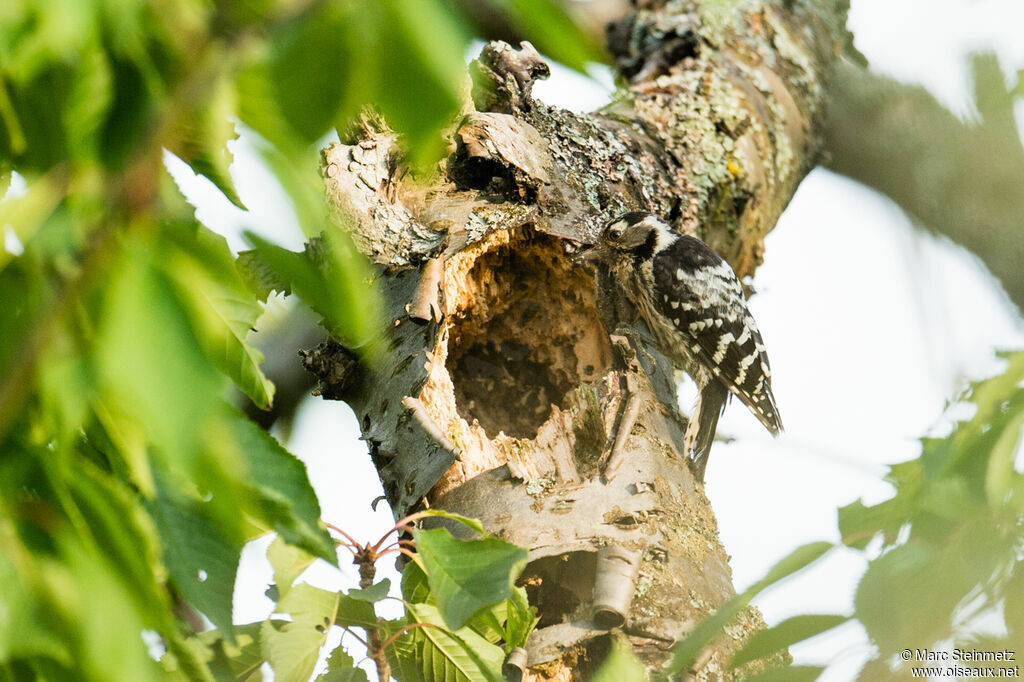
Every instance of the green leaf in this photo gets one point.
(223, 309)
(1013, 602)
(125, 534)
(312, 63)
(240, 660)
(1001, 470)
(288, 562)
(131, 106)
(93, 593)
(521, 618)
(88, 104)
(468, 575)
(201, 558)
(902, 600)
(25, 629)
(798, 559)
(555, 33)
(32, 130)
(372, 594)
(998, 400)
(341, 668)
(685, 652)
(219, 660)
(202, 135)
(785, 634)
(415, 80)
(470, 523)
(415, 587)
(260, 277)
(489, 623)
(327, 277)
(292, 647)
(419, 76)
(789, 673)
(355, 612)
(404, 654)
(282, 497)
(26, 214)
(859, 524)
(460, 656)
(621, 665)
(152, 372)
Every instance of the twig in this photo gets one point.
(405, 628)
(629, 415)
(698, 665)
(344, 534)
(352, 632)
(402, 550)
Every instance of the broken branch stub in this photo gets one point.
(503, 77)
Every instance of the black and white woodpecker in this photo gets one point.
(694, 306)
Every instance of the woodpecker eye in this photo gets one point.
(615, 233)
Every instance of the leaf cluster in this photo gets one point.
(129, 481)
(463, 613)
(944, 553)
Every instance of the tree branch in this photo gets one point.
(962, 180)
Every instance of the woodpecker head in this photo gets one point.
(637, 235)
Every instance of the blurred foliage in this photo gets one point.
(946, 550)
(128, 482)
(686, 652)
(945, 554)
(957, 175)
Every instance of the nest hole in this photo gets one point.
(526, 336)
(561, 587)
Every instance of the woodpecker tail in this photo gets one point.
(700, 432)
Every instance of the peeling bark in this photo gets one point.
(501, 395)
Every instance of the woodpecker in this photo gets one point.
(694, 306)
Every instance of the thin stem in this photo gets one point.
(392, 550)
(402, 543)
(344, 534)
(376, 649)
(405, 628)
(404, 524)
(352, 632)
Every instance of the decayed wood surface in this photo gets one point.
(501, 394)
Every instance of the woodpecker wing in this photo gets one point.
(700, 296)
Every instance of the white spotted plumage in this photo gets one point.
(694, 306)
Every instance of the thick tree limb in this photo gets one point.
(503, 408)
(963, 180)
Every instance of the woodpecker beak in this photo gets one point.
(593, 254)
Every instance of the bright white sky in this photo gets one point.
(870, 323)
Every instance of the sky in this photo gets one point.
(871, 325)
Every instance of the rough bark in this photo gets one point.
(501, 394)
(961, 179)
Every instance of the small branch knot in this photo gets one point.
(337, 369)
(648, 44)
(503, 77)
